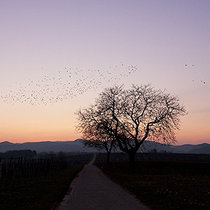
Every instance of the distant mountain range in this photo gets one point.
(47, 146)
(185, 148)
(77, 146)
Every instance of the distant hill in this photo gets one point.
(195, 149)
(77, 146)
(47, 146)
(185, 148)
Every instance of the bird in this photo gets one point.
(65, 85)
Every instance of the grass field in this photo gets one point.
(42, 191)
(165, 184)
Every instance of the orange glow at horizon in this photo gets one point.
(51, 123)
(51, 130)
(30, 124)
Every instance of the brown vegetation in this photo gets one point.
(168, 184)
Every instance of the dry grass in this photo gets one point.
(165, 184)
(43, 191)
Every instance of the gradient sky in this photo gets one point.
(168, 42)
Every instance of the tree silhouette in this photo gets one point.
(94, 126)
(130, 117)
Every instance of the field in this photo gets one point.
(164, 181)
(160, 180)
(36, 187)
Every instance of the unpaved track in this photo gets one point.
(92, 190)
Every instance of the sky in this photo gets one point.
(58, 55)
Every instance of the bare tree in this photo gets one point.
(93, 125)
(132, 116)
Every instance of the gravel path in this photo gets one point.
(92, 190)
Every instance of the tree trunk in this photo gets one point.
(132, 155)
(108, 157)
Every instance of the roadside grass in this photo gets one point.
(165, 184)
(44, 191)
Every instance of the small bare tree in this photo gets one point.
(132, 116)
(93, 125)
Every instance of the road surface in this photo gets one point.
(93, 190)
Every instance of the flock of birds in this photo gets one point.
(192, 65)
(67, 84)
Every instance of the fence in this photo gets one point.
(21, 167)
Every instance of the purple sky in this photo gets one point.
(169, 42)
